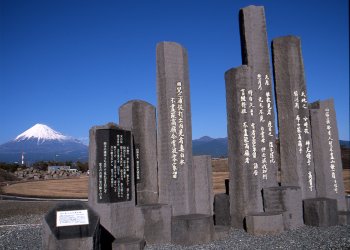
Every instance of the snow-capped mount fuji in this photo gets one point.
(41, 142)
(41, 133)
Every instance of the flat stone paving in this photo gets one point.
(20, 228)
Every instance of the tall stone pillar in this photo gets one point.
(327, 158)
(174, 138)
(296, 150)
(141, 117)
(243, 161)
(255, 53)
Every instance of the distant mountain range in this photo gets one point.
(43, 143)
(210, 146)
(40, 142)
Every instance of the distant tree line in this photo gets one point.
(42, 165)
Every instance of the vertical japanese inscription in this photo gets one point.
(113, 159)
(303, 132)
(137, 162)
(177, 130)
(265, 134)
(331, 151)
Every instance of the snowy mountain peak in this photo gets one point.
(42, 133)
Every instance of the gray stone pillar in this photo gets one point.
(174, 138)
(203, 184)
(296, 151)
(141, 117)
(243, 160)
(111, 182)
(327, 158)
(260, 103)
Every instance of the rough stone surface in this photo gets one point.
(128, 243)
(221, 232)
(155, 223)
(344, 217)
(286, 200)
(255, 53)
(203, 184)
(141, 117)
(320, 212)
(117, 218)
(327, 157)
(70, 237)
(265, 223)
(174, 138)
(192, 229)
(296, 151)
(222, 209)
(245, 181)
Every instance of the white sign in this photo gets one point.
(72, 218)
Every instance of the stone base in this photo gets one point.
(154, 223)
(80, 237)
(192, 229)
(320, 212)
(50, 242)
(222, 210)
(344, 218)
(128, 243)
(347, 200)
(287, 200)
(221, 232)
(264, 223)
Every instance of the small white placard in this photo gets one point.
(72, 218)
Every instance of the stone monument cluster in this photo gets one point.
(146, 187)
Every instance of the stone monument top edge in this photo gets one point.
(136, 101)
(289, 38)
(239, 68)
(110, 125)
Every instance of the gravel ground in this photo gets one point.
(21, 229)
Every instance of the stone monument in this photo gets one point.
(174, 138)
(296, 150)
(111, 180)
(174, 142)
(328, 164)
(250, 122)
(260, 103)
(141, 117)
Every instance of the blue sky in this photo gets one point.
(71, 64)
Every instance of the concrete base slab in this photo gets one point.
(222, 210)
(344, 217)
(264, 223)
(192, 229)
(128, 243)
(155, 223)
(320, 212)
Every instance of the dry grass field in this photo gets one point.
(78, 187)
(64, 188)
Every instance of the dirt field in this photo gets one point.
(78, 187)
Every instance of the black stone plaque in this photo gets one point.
(113, 147)
(137, 163)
